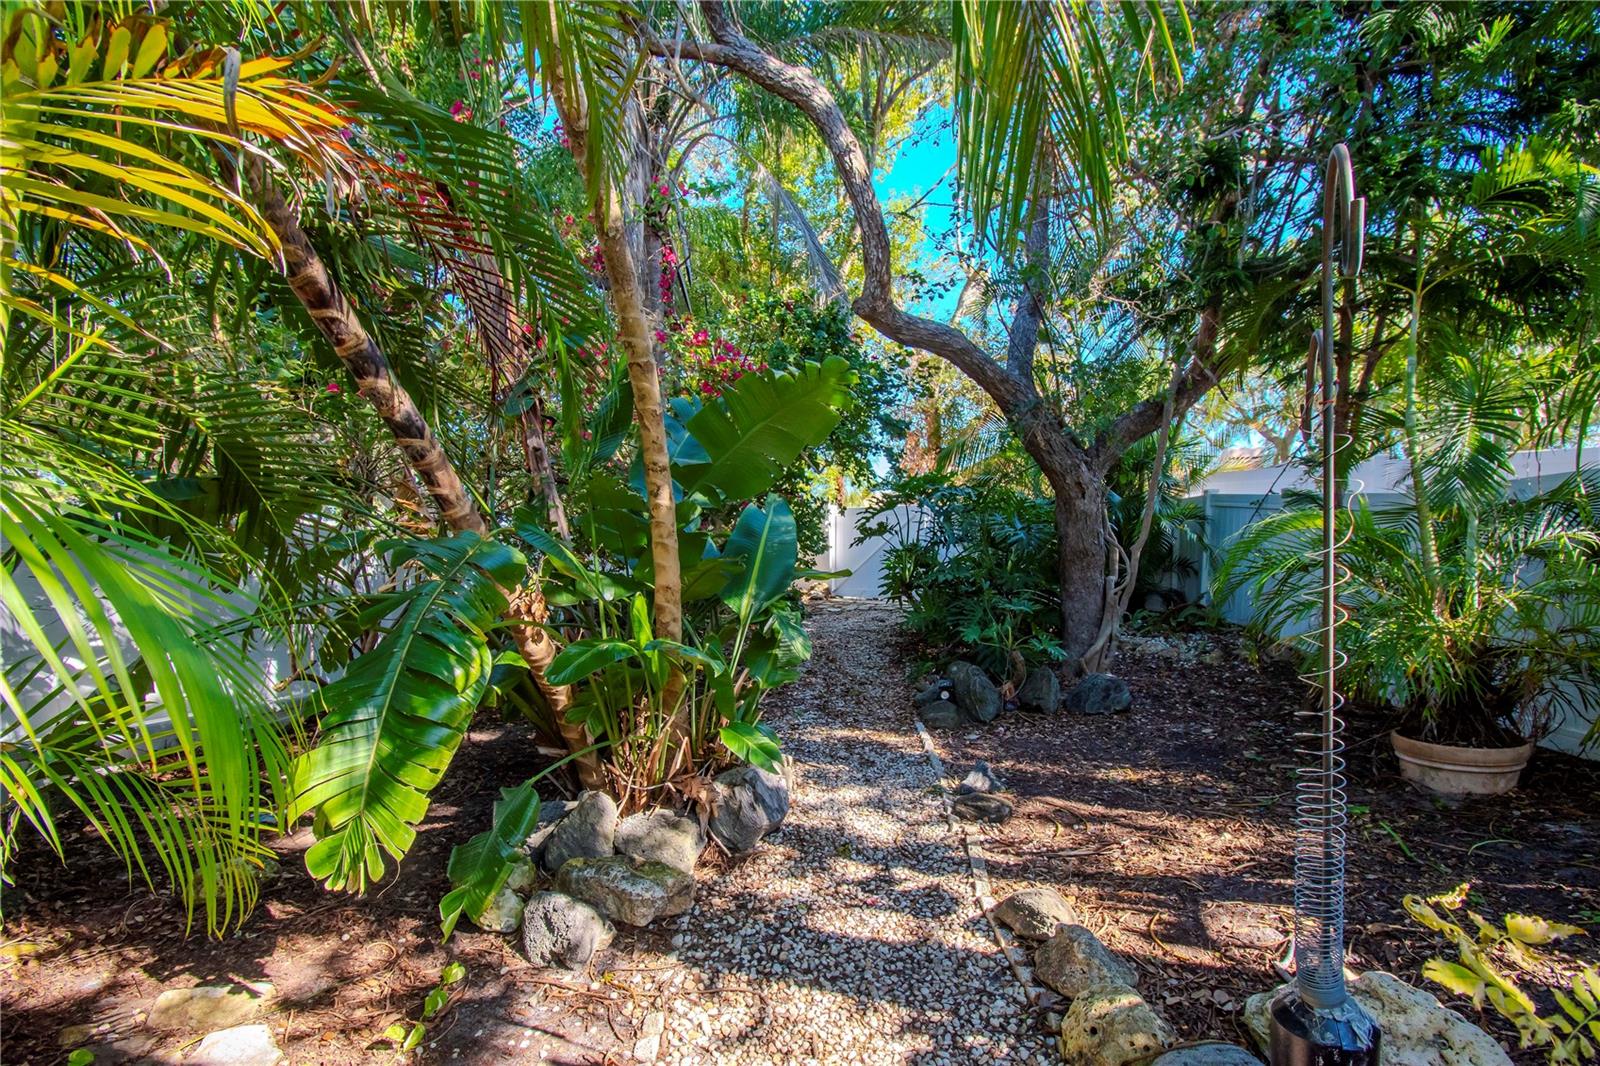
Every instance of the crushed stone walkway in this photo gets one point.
(854, 934)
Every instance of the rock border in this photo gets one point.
(1033, 994)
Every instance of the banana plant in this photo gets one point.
(740, 639)
(394, 721)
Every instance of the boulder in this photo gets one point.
(934, 693)
(981, 807)
(242, 1045)
(628, 892)
(1109, 1024)
(1099, 694)
(587, 831)
(503, 914)
(974, 694)
(942, 714)
(980, 779)
(1214, 1053)
(1417, 1029)
(550, 813)
(1034, 913)
(749, 803)
(205, 1007)
(661, 836)
(558, 930)
(1040, 692)
(1073, 959)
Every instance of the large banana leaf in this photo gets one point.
(395, 719)
(760, 426)
(767, 542)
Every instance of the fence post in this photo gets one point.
(1205, 545)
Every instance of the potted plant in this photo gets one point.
(1473, 612)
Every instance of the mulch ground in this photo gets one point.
(1168, 828)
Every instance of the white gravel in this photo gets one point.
(853, 935)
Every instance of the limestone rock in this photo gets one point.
(1073, 959)
(550, 813)
(1417, 1029)
(980, 779)
(243, 1045)
(634, 894)
(1034, 913)
(942, 714)
(1040, 692)
(1099, 694)
(661, 836)
(558, 930)
(587, 831)
(206, 1007)
(502, 915)
(981, 807)
(524, 876)
(974, 694)
(750, 803)
(1109, 1024)
(1215, 1053)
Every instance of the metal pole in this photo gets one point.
(1315, 1022)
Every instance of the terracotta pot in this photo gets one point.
(1457, 771)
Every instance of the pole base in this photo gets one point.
(1303, 1035)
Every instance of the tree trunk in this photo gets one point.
(320, 295)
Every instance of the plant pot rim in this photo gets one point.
(1398, 739)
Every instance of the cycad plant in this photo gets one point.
(1472, 609)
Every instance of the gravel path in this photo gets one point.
(852, 936)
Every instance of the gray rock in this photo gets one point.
(1073, 959)
(502, 915)
(749, 804)
(981, 807)
(937, 692)
(973, 692)
(243, 1045)
(942, 715)
(661, 836)
(1040, 692)
(207, 1006)
(1099, 694)
(550, 813)
(558, 930)
(1034, 913)
(981, 779)
(587, 831)
(1211, 1054)
(633, 894)
(1109, 1024)
(1417, 1029)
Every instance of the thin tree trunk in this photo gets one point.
(320, 295)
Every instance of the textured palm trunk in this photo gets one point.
(311, 283)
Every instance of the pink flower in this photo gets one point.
(661, 336)
(333, 388)
(702, 337)
(399, 157)
(456, 109)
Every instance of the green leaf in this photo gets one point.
(584, 657)
(767, 542)
(395, 719)
(479, 867)
(753, 744)
(760, 426)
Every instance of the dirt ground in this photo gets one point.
(1167, 827)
